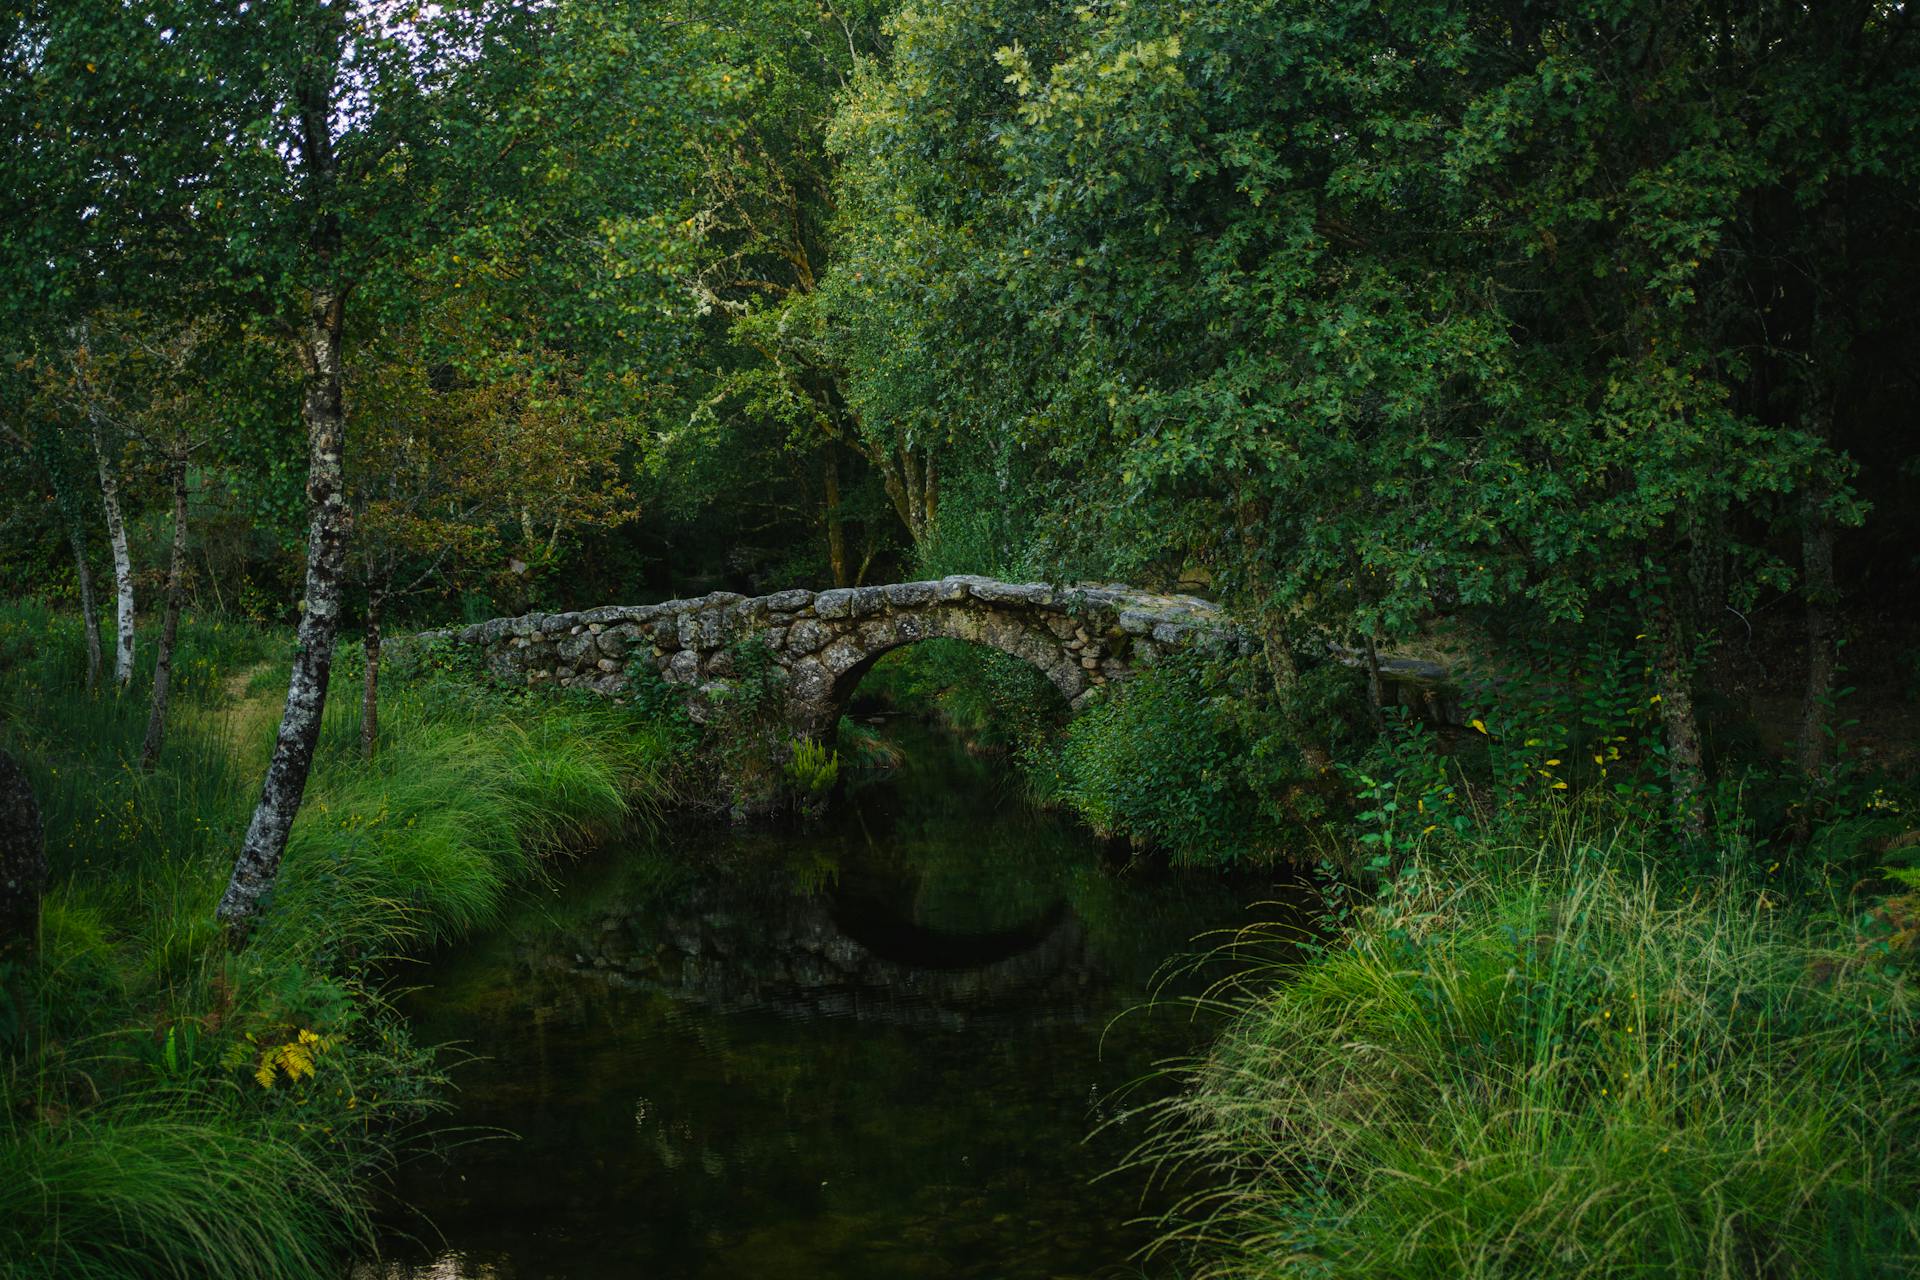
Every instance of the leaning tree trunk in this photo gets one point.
(122, 564)
(328, 523)
(170, 627)
(23, 863)
(89, 614)
(1686, 775)
(370, 692)
(911, 485)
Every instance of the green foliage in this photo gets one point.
(1458, 313)
(997, 702)
(1557, 1059)
(1165, 762)
(174, 1183)
(867, 747)
(812, 769)
(171, 1110)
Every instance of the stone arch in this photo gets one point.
(1002, 631)
(1080, 637)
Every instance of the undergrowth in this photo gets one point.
(168, 1109)
(1563, 1056)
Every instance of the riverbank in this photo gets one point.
(1574, 1052)
(1545, 1036)
(173, 1110)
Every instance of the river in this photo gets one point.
(874, 1048)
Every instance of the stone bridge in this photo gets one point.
(1081, 637)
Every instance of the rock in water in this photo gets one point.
(23, 862)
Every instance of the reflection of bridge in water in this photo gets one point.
(738, 948)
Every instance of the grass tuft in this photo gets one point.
(1562, 1064)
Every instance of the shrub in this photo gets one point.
(1163, 761)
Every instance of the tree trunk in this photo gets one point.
(1673, 679)
(1274, 642)
(1285, 676)
(89, 613)
(23, 863)
(370, 693)
(122, 564)
(911, 486)
(327, 528)
(1816, 556)
(1376, 687)
(836, 528)
(170, 627)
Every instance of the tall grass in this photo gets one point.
(167, 1186)
(1564, 1063)
(167, 1109)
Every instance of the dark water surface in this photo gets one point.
(873, 1049)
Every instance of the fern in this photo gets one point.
(811, 769)
(296, 1059)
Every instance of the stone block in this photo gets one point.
(807, 636)
(1068, 678)
(789, 601)
(842, 656)
(1029, 593)
(702, 629)
(911, 595)
(811, 682)
(837, 603)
